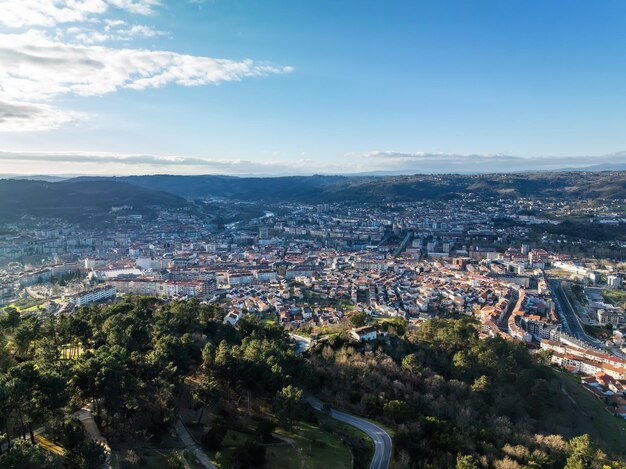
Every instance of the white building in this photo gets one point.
(92, 296)
(614, 281)
(364, 334)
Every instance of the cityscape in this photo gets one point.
(367, 273)
(242, 234)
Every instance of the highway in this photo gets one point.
(382, 440)
(567, 312)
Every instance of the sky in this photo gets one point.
(272, 87)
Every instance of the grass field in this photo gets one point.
(269, 318)
(316, 448)
(608, 431)
(310, 448)
(21, 309)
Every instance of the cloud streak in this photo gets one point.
(35, 69)
(123, 164)
(48, 13)
(21, 116)
(477, 163)
(95, 163)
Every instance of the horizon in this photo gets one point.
(241, 88)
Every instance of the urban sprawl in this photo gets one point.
(311, 268)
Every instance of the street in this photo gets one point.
(382, 440)
(568, 313)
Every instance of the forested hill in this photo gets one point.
(545, 185)
(86, 196)
(449, 398)
(77, 199)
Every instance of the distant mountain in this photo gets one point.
(604, 167)
(556, 185)
(92, 198)
(42, 177)
(239, 188)
(77, 200)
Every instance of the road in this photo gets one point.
(85, 417)
(382, 440)
(302, 343)
(504, 319)
(192, 446)
(36, 432)
(567, 310)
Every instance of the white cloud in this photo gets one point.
(18, 162)
(63, 47)
(36, 69)
(95, 163)
(46, 13)
(16, 117)
(406, 162)
(112, 31)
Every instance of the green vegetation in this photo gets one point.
(97, 195)
(307, 446)
(579, 291)
(79, 199)
(447, 397)
(445, 392)
(589, 416)
(554, 185)
(24, 305)
(615, 297)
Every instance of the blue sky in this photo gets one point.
(295, 86)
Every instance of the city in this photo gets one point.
(278, 234)
(364, 271)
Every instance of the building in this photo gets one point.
(610, 316)
(615, 281)
(364, 334)
(92, 296)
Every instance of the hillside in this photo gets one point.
(77, 199)
(548, 185)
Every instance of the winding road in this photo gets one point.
(382, 440)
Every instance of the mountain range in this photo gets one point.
(77, 197)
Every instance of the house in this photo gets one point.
(364, 334)
(233, 317)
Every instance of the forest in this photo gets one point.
(141, 366)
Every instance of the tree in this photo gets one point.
(204, 394)
(397, 410)
(213, 439)
(481, 384)
(25, 455)
(6, 409)
(11, 319)
(35, 394)
(25, 334)
(80, 451)
(582, 453)
(358, 319)
(466, 462)
(103, 377)
(289, 399)
(411, 363)
(264, 429)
